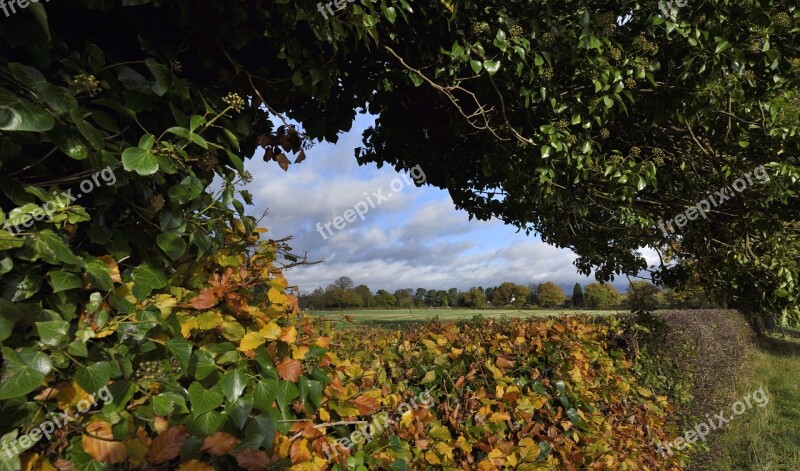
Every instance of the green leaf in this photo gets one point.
(233, 383)
(169, 402)
(94, 377)
(265, 392)
(27, 287)
(19, 115)
(207, 423)
(204, 400)
(201, 365)
(173, 246)
(52, 333)
(476, 65)
(491, 66)
(23, 372)
(140, 161)
(48, 245)
(389, 13)
(195, 122)
(162, 75)
(6, 328)
(98, 274)
(182, 350)
(544, 450)
(146, 279)
(312, 389)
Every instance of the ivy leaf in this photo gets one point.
(143, 162)
(146, 279)
(265, 393)
(173, 246)
(19, 115)
(64, 281)
(52, 333)
(94, 377)
(491, 66)
(233, 383)
(23, 372)
(204, 400)
(49, 246)
(182, 350)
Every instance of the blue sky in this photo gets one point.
(414, 238)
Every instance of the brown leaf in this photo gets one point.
(195, 465)
(219, 443)
(366, 405)
(113, 268)
(205, 300)
(300, 157)
(253, 460)
(167, 445)
(299, 452)
(104, 449)
(283, 161)
(289, 369)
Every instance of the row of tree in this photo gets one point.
(344, 294)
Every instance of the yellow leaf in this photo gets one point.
(288, 334)
(324, 415)
(209, 320)
(70, 395)
(430, 376)
(164, 303)
(251, 341)
(276, 296)
(271, 331)
(232, 330)
(188, 323)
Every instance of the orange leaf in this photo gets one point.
(167, 445)
(104, 449)
(253, 460)
(113, 268)
(205, 300)
(366, 405)
(195, 465)
(219, 443)
(299, 451)
(289, 369)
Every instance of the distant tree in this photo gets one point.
(384, 299)
(343, 282)
(363, 292)
(503, 295)
(642, 296)
(474, 298)
(521, 296)
(597, 295)
(404, 297)
(452, 297)
(419, 297)
(489, 292)
(577, 295)
(550, 294)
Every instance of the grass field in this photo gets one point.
(397, 317)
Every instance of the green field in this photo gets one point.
(398, 317)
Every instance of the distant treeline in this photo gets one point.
(344, 294)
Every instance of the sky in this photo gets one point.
(410, 237)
